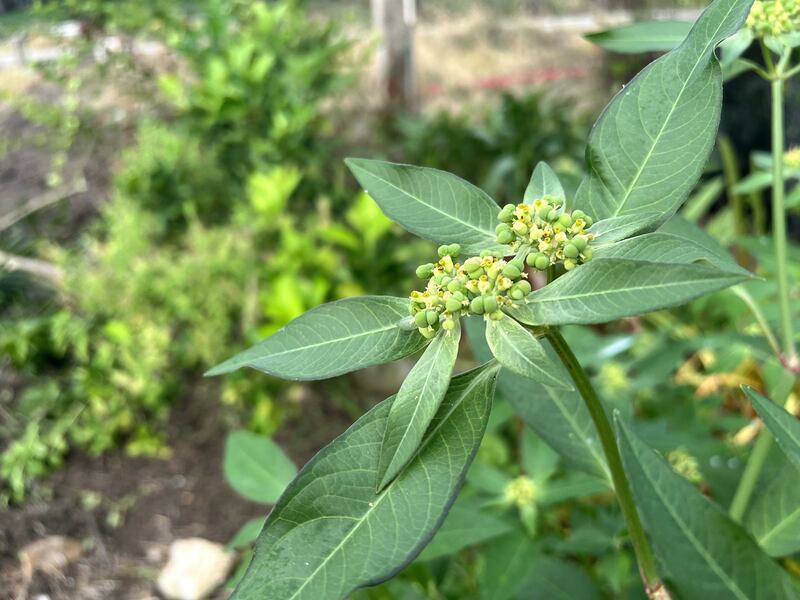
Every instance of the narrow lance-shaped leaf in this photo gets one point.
(256, 467)
(464, 526)
(431, 204)
(607, 289)
(774, 517)
(544, 182)
(508, 561)
(559, 417)
(704, 553)
(646, 36)
(330, 533)
(618, 228)
(784, 426)
(649, 147)
(332, 339)
(416, 404)
(518, 351)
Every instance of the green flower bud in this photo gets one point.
(588, 220)
(427, 332)
(421, 319)
(507, 214)
(496, 315)
(544, 211)
(578, 214)
(443, 251)
(449, 325)
(471, 264)
(455, 250)
(571, 251)
(501, 228)
(565, 220)
(520, 228)
(524, 286)
(452, 305)
(515, 293)
(489, 304)
(569, 264)
(476, 306)
(454, 285)
(553, 216)
(425, 271)
(432, 317)
(511, 271)
(505, 237)
(579, 242)
(476, 274)
(542, 262)
(446, 281)
(459, 296)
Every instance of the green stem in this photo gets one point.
(644, 555)
(779, 217)
(755, 464)
(730, 170)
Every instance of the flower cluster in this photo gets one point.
(480, 286)
(792, 158)
(546, 233)
(520, 492)
(774, 17)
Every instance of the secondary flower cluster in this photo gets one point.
(774, 17)
(546, 233)
(480, 286)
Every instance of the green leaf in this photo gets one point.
(508, 560)
(649, 147)
(774, 517)
(544, 182)
(464, 526)
(614, 229)
(682, 227)
(416, 404)
(330, 533)
(432, 204)
(517, 350)
(647, 36)
(332, 339)
(539, 460)
(256, 467)
(572, 486)
(554, 579)
(703, 552)
(607, 289)
(559, 417)
(247, 534)
(783, 425)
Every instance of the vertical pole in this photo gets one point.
(395, 21)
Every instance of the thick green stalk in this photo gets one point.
(779, 217)
(644, 555)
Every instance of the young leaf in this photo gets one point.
(774, 517)
(247, 534)
(649, 147)
(559, 417)
(681, 227)
(607, 289)
(256, 467)
(320, 544)
(784, 426)
(704, 553)
(554, 579)
(663, 247)
(614, 229)
(432, 204)
(508, 561)
(332, 339)
(544, 182)
(517, 350)
(464, 526)
(416, 404)
(646, 36)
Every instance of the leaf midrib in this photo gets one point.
(782, 524)
(639, 172)
(484, 232)
(507, 337)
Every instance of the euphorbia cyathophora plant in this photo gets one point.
(366, 505)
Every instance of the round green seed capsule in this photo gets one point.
(455, 250)
(452, 305)
(501, 228)
(542, 262)
(505, 237)
(425, 271)
(520, 228)
(476, 306)
(553, 216)
(449, 325)
(427, 332)
(472, 263)
(578, 214)
(525, 286)
(588, 220)
(443, 251)
(518, 262)
(587, 254)
(459, 296)
(496, 315)
(571, 251)
(432, 317)
(515, 293)
(421, 319)
(454, 285)
(565, 220)
(579, 242)
(511, 271)
(569, 264)
(489, 304)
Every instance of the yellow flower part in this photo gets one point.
(774, 17)
(520, 492)
(685, 464)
